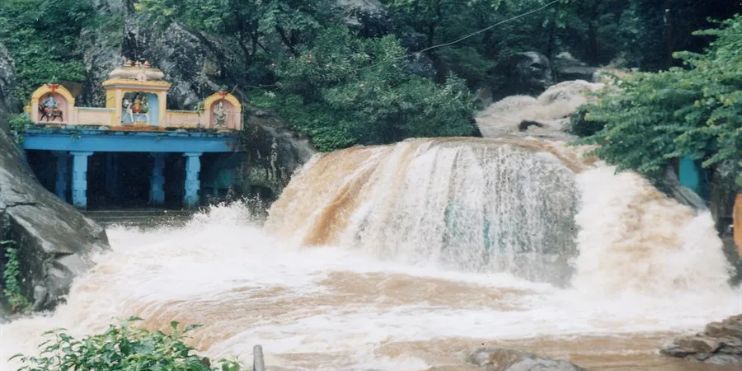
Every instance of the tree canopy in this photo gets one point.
(696, 111)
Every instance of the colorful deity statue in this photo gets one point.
(220, 114)
(136, 107)
(128, 111)
(49, 109)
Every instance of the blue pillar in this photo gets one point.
(60, 186)
(689, 174)
(192, 184)
(157, 180)
(80, 178)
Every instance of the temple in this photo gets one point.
(134, 151)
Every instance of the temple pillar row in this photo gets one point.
(192, 183)
(157, 180)
(80, 179)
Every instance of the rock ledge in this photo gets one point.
(720, 343)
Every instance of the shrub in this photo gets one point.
(12, 290)
(121, 347)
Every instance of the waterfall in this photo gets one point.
(472, 205)
(534, 208)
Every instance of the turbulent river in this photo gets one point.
(410, 256)
(406, 257)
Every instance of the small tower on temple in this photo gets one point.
(137, 94)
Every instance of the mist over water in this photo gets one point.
(350, 272)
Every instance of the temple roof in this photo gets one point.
(138, 72)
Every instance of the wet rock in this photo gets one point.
(527, 73)
(53, 239)
(273, 153)
(497, 359)
(720, 343)
(567, 67)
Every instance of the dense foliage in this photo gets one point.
(654, 118)
(346, 90)
(43, 37)
(121, 347)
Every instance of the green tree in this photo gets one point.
(346, 90)
(42, 36)
(654, 118)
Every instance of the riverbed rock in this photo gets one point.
(498, 359)
(54, 241)
(720, 343)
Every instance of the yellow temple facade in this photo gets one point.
(136, 99)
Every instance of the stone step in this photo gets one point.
(140, 217)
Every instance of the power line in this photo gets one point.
(545, 6)
(488, 28)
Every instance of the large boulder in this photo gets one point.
(54, 241)
(273, 153)
(527, 73)
(498, 359)
(720, 343)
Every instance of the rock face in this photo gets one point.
(53, 239)
(102, 49)
(193, 63)
(720, 343)
(529, 73)
(273, 154)
(7, 83)
(496, 359)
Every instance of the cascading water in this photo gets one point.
(472, 205)
(409, 256)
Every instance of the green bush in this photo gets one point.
(654, 118)
(12, 290)
(18, 124)
(121, 347)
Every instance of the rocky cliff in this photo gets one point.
(7, 81)
(54, 241)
